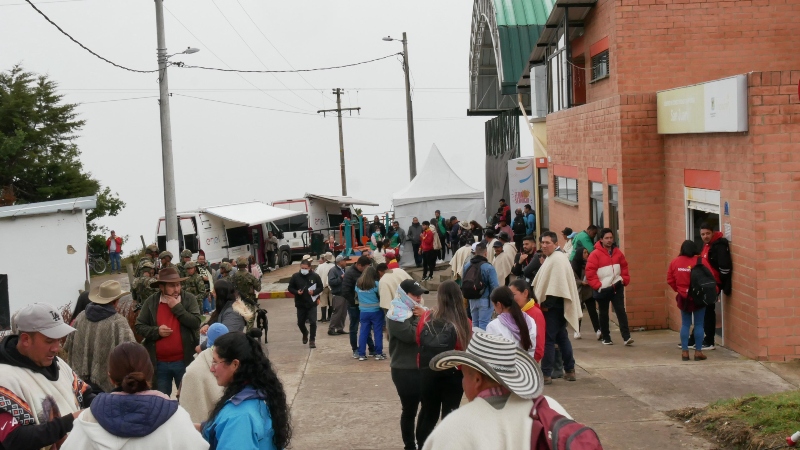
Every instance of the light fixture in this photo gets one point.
(388, 38)
(190, 50)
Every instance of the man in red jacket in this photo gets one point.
(114, 245)
(716, 255)
(607, 274)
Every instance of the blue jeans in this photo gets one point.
(686, 323)
(481, 311)
(556, 333)
(116, 261)
(355, 318)
(371, 324)
(166, 372)
(206, 305)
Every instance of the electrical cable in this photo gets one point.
(218, 69)
(83, 46)
(256, 55)
(118, 100)
(245, 106)
(40, 3)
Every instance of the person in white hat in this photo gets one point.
(99, 330)
(325, 300)
(500, 380)
(40, 395)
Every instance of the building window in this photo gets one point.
(600, 66)
(613, 210)
(596, 203)
(543, 215)
(567, 189)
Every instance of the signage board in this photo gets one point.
(520, 183)
(718, 106)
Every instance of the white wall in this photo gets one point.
(33, 252)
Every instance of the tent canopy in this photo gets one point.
(250, 213)
(436, 181)
(346, 201)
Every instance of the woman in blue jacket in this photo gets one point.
(252, 412)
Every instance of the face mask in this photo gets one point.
(304, 271)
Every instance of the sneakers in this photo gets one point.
(355, 354)
(599, 335)
(380, 357)
(708, 347)
(629, 341)
(577, 335)
(362, 358)
(607, 342)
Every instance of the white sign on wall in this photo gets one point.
(520, 183)
(714, 107)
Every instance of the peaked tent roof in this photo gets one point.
(435, 181)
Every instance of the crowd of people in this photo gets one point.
(497, 333)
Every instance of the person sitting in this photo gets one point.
(499, 382)
(150, 419)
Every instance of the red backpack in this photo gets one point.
(552, 431)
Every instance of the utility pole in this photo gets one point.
(338, 112)
(170, 208)
(412, 152)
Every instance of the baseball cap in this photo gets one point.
(42, 318)
(214, 331)
(413, 288)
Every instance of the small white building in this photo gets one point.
(42, 254)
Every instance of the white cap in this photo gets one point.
(474, 246)
(42, 318)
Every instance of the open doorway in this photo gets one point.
(703, 206)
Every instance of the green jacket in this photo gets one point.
(585, 240)
(141, 290)
(181, 269)
(440, 225)
(188, 315)
(246, 285)
(141, 262)
(195, 286)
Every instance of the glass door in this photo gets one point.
(613, 211)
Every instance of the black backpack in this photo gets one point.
(472, 285)
(702, 285)
(437, 336)
(519, 226)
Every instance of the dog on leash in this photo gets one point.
(262, 322)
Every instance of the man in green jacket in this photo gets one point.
(586, 239)
(169, 322)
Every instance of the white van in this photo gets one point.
(230, 231)
(320, 215)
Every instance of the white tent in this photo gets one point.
(437, 186)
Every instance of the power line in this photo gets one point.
(40, 3)
(83, 46)
(220, 60)
(245, 106)
(255, 54)
(357, 89)
(118, 100)
(187, 66)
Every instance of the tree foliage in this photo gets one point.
(40, 160)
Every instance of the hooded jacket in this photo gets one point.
(199, 388)
(244, 422)
(718, 255)
(349, 285)
(604, 270)
(142, 421)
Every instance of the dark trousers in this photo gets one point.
(591, 309)
(417, 256)
(618, 301)
(518, 242)
(556, 333)
(339, 306)
(440, 395)
(167, 373)
(271, 259)
(429, 262)
(310, 315)
(355, 319)
(406, 381)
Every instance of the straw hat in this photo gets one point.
(108, 292)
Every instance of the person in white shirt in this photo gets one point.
(325, 298)
(511, 322)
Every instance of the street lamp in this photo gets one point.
(170, 208)
(412, 155)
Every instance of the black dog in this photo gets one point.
(262, 322)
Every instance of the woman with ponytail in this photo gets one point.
(511, 322)
(252, 413)
(133, 416)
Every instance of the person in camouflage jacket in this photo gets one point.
(194, 283)
(248, 287)
(186, 256)
(166, 260)
(140, 289)
(150, 255)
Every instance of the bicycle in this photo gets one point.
(97, 263)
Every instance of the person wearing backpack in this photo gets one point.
(443, 329)
(679, 278)
(519, 228)
(506, 408)
(717, 253)
(477, 285)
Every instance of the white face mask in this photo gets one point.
(304, 271)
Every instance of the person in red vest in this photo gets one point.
(114, 245)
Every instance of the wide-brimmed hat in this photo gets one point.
(329, 257)
(108, 292)
(167, 275)
(464, 224)
(498, 358)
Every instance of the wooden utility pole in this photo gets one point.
(338, 112)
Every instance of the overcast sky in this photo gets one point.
(226, 153)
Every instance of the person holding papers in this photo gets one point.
(306, 286)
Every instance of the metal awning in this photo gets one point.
(55, 206)
(250, 213)
(345, 201)
(575, 11)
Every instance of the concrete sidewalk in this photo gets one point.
(340, 403)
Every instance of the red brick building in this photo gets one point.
(600, 101)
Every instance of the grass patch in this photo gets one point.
(749, 423)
